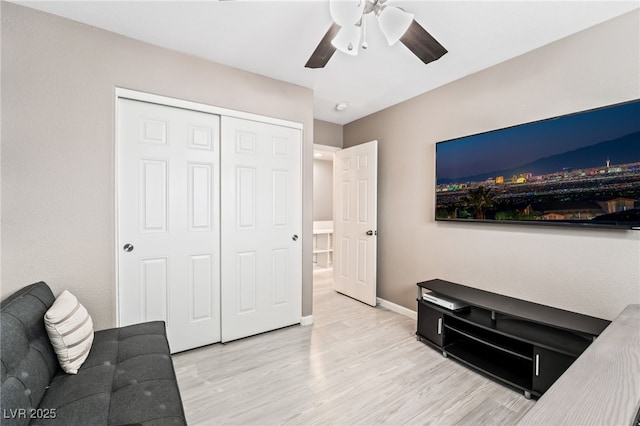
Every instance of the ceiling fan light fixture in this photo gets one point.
(348, 40)
(349, 33)
(393, 22)
(346, 12)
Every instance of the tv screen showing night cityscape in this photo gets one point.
(580, 169)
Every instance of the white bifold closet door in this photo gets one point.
(261, 227)
(209, 223)
(168, 221)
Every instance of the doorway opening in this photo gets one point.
(323, 241)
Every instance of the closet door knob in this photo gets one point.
(295, 237)
(128, 247)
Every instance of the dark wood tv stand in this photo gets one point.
(523, 344)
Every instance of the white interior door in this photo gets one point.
(168, 221)
(261, 227)
(355, 220)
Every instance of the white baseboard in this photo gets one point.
(307, 320)
(397, 308)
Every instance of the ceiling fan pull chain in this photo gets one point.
(364, 33)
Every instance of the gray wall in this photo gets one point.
(322, 190)
(330, 134)
(325, 133)
(58, 82)
(596, 272)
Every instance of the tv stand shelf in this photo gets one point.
(523, 344)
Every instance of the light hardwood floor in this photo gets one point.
(356, 365)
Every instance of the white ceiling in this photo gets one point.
(275, 39)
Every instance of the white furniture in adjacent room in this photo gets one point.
(323, 243)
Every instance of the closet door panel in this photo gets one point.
(168, 220)
(261, 227)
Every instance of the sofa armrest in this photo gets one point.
(602, 386)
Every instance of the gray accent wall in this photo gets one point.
(325, 133)
(58, 143)
(322, 190)
(595, 272)
(328, 134)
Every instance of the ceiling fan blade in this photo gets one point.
(422, 44)
(325, 49)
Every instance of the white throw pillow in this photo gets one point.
(70, 330)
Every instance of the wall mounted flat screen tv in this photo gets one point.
(580, 169)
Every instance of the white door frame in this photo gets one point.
(178, 103)
(328, 148)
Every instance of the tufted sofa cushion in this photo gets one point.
(128, 377)
(128, 374)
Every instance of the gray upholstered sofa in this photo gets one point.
(128, 377)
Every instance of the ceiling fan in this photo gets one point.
(348, 32)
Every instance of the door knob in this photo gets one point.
(128, 247)
(370, 232)
(295, 237)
